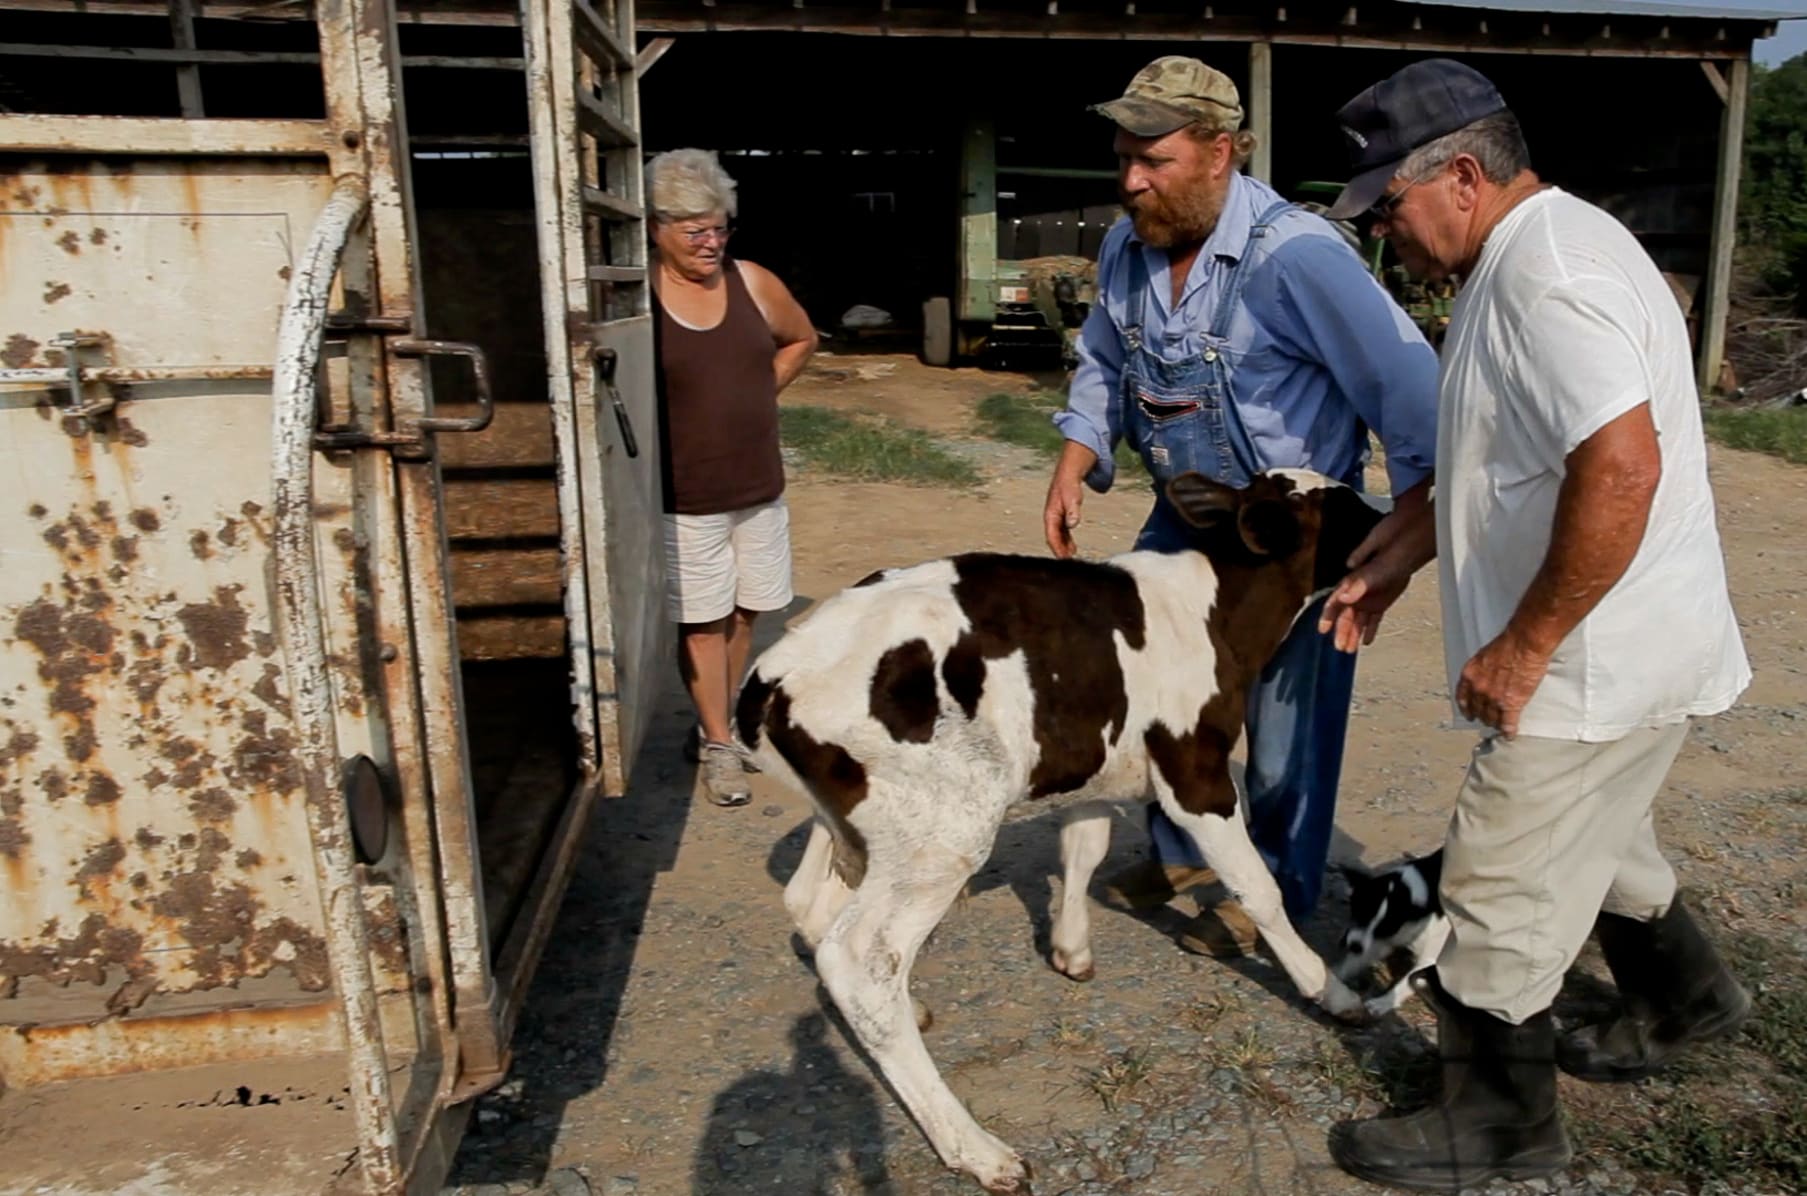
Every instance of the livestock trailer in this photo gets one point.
(330, 578)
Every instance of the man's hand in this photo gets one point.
(1380, 569)
(1498, 681)
(1066, 490)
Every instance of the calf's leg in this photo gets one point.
(1085, 837)
(864, 962)
(1224, 841)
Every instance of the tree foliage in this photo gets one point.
(1773, 206)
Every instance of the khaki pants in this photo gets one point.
(1546, 834)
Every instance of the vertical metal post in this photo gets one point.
(1261, 109)
(1725, 227)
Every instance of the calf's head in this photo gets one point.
(1300, 523)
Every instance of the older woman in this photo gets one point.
(730, 337)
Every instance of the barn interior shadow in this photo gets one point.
(561, 1042)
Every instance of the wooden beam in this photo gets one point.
(616, 274)
(182, 37)
(1725, 227)
(140, 136)
(594, 117)
(650, 53)
(1716, 79)
(596, 38)
(609, 207)
(1261, 109)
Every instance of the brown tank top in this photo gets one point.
(718, 408)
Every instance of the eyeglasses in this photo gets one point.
(1383, 208)
(698, 236)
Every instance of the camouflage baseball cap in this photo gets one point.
(1172, 92)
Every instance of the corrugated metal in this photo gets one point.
(1626, 8)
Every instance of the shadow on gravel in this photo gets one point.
(814, 1128)
(561, 1043)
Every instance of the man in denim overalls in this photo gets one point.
(1235, 333)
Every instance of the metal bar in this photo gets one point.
(188, 77)
(1725, 228)
(188, 55)
(608, 206)
(594, 117)
(596, 38)
(134, 373)
(145, 136)
(553, 121)
(297, 567)
(1261, 109)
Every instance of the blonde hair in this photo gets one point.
(685, 183)
(1242, 141)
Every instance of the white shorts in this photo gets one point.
(719, 562)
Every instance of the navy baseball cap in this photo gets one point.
(1414, 105)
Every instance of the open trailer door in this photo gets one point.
(583, 96)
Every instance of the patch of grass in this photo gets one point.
(1118, 1077)
(1730, 1111)
(1023, 420)
(870, 450)
(1779, 432)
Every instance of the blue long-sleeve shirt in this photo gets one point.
(1316, 347)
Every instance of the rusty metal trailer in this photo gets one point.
(247, 856)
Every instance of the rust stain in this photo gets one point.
(197, 544)
(54, 291)
(85, 957)
(79, 745)
(19, 744)
(129, 433)
(54, 784)
(101, 861)
(125, 549)
(20, 352)
(147, 838)
(228, 533)
(145, 519)
(98, 237)
(266, 757)
(36, 510)
(103, 790)
(71, 242)
(192, 762)
(248, 859)
(213, 805)
(267, 691)
(131, 994)
(217, 629)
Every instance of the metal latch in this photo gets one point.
(409, 441)
(72, 343)
(606, 360)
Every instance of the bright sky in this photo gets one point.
(1790, 38)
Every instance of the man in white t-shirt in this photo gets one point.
(1586, 619)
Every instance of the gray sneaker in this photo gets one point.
(724, 776)
(693, 748)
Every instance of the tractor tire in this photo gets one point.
(938, 331)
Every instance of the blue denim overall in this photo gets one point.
(1180, 416)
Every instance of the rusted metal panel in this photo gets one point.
(489, 509)
(151, 837)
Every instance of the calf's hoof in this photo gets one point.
(1073, 967)
(1013, 1182)
(924, 1017)
(1340, 1002)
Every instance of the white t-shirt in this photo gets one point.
(1564, 326)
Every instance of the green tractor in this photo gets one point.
(1427, 303)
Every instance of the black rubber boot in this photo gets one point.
(1497, 1117)
(1676, 991)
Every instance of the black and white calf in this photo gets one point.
(916, 707)
(1390, 910)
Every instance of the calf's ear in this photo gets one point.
(1202, 501)
(1270, 527)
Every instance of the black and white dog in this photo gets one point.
(1390, 910)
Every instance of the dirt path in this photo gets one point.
(675, 1042)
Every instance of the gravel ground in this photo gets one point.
(675, 1041)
